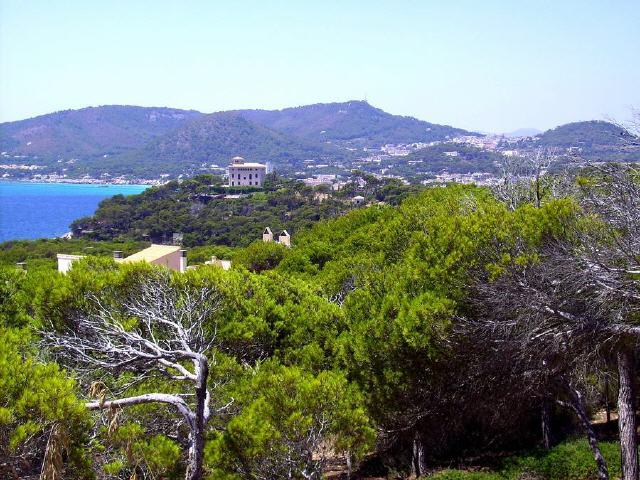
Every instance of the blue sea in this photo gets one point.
(45, 210)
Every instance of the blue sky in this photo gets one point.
(486, 65)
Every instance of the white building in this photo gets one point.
(170, 256)
(246, 174)
(283, 238)
(217, 262)
(65, 260)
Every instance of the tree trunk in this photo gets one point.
(546, 423)
(627, 416)
(418, 460)
(606, 400)
(581, 411)
(196, 437)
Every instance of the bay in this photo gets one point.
(45, 210)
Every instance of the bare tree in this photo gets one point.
(609, 262)
(522, 178)
(550, 332)
(629, 130)
(172, 334)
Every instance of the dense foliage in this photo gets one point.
(213, 140)
(594, 141)
(200, 210)
(392, 340)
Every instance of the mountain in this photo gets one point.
(90, 132)
(584, 134)
(322, 138)
(353, 123)
(594, 141)
(214, 139)
(146, 142)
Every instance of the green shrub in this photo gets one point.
(464, 475)
(571, 460)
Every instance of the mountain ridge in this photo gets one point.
(150, 141)
(354, 122)
(90, 131)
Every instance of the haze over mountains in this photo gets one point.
(147, 142)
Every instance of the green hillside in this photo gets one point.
(90, 132)
(214, 139)
(588, 134)
(353, 123)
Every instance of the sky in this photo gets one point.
(485, 65)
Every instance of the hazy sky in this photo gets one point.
(480, 64)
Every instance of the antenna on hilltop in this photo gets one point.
(365, 98)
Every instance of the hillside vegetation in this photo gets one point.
(213, 140)
(198, 209)
(353, 123)
(90, 132)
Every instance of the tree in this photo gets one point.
(164, 327)
(291, 422)
(260, 256)
(608, 262)
(523, 178)
(551, 334)
(579, 296)
(41, 419)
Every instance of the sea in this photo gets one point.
(45, 210)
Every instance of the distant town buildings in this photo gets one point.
(318, 180)
(246, 174)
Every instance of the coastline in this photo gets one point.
(84, 181)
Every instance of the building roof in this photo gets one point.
(247, 164)
(154, 252)
(284, 233)
(267, 231)
(68, 256)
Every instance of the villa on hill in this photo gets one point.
(246, 174)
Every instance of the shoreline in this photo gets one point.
(85, 182)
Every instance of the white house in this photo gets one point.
(170, 256)
(65, 261)
(246, 174)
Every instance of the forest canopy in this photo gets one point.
(390, 341)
